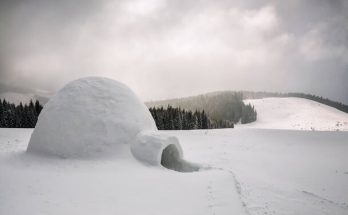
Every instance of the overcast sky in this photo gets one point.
(172, 48)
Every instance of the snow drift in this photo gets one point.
(99, 117)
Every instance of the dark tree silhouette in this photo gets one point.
(19, 116)
(180, 119)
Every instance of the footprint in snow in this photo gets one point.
(211, 198)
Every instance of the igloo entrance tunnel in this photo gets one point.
(98, 117)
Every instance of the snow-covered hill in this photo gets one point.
(296, 114)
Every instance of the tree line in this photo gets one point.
(220, 107)
(171, 118)
(338, 105)
(249, 114)
(19, 116)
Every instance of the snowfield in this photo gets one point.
(248, 171)
(296, 114)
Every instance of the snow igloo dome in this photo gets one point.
(100, 117)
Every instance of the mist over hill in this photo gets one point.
(229, 105)
(226, 105)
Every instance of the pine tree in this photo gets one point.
(1, 114)
(38, 108)
(180, 123)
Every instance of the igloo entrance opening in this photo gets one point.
(171, 159)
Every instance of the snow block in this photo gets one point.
(157, 149)
(90, 117)
(148, 147)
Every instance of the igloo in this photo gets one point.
(98, 117)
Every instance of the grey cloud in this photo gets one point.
(172, 48)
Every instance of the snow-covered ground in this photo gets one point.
(296, 114)
(253, 171)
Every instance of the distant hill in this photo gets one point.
(200, 101)
(217, 105)
(259, 95)
(228, 105)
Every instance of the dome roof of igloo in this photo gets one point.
(90, 117)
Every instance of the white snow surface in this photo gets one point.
(296, 114)
(251, 171)
(90, 117)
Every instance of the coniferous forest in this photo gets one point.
(180, 119)
(19, 116)
(248, 114)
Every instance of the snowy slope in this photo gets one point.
(296, 114)
(252, 171)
